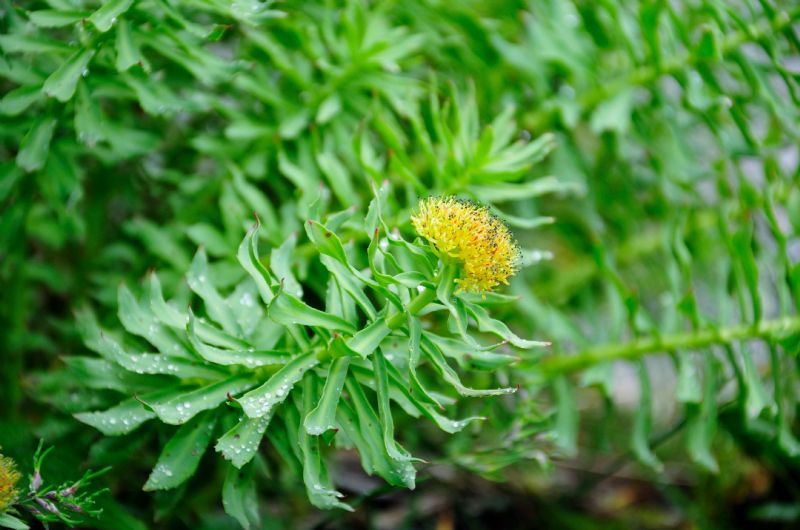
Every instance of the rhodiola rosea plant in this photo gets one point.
(401, 322)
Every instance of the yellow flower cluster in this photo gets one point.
(9, 476)
(471, 234)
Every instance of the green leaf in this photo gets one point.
(329, 244)
(62, 83)
(471, 356)
(323, 416)
(399, 393)
(247, 256)
(121, 419)
(183, 407)
(338, 178)
(207, 236)
(261, 401)
(445, 292)
(329, 108)
(170, 316)
(756, 395)
(350, 284)
(450, 375)
(399, 473)
(393, 449)
(128, 52)
(9, 521)
(688, 389)
(315, 475)
(89, 121)
(199, 280)
(490, 325)
(36, 45)
(702, 419)
(613, 114)
(502, 191)
(240, 444)
(137, 317)
(18, 100)
(287, 309)
(566, 418)
(181, 456)
(141, 363)
(281, 264)
(250, 357)
(742, 245)
(36, 145)
(640, 441)
(239, 497)
(368, 339)
(52, 18)
(106, 16)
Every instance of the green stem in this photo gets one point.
(417, 304)
(670, 343)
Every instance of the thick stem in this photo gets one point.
(670, 343)
(417, 304)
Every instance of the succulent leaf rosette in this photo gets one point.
(258, 361)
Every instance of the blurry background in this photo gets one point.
(132, 134)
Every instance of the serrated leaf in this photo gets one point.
(128, 52)
(181, 456)
(702, 419)
(399, 473)
(170, 316)
(642, 422)
(185, 406)
(62, 83)
(137, 318)
(315, 474)
(247, 255)
(490, 325)
(55, 18)
(393, 449)
(281, 264)
(470, 355)
(250, 357)
(240, 444)
(18, 100)
(35, 145)
(323, 416)
(338, 178)
(89, 121)
(199, 280)
(287, 309)
(261, 401)
(120, 419)
(566, 418)
(239, 498)
(450, 376)
(106, 16)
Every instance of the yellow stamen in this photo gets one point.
(471, 234)
(9, 476)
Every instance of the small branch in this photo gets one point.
(670, 343)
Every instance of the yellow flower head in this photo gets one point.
(471, 234)
(9, 476)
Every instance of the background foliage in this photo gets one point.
(660, 236)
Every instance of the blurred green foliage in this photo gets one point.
(644, 153)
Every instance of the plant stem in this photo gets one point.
(417, 304)
(670, 343)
